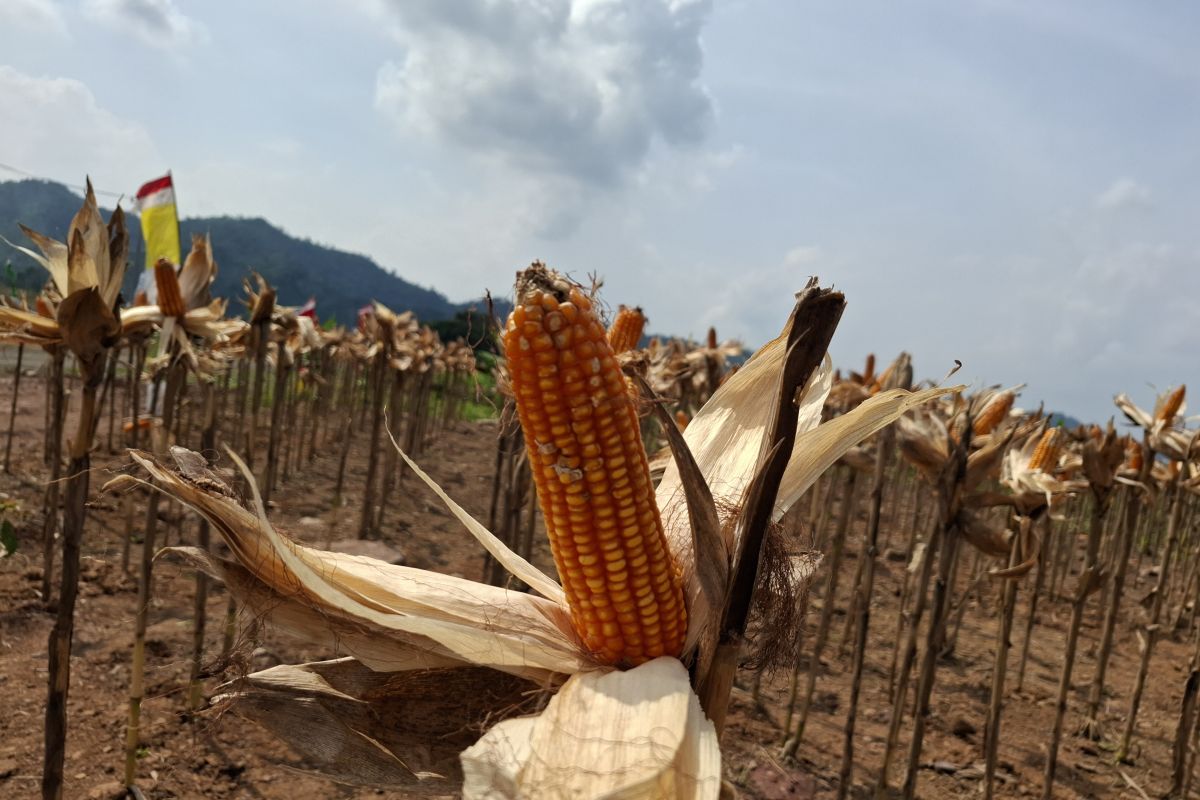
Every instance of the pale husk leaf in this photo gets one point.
(726, 440)
(53, 256)
(18, 325)
(633, 734)
(817, 449)
(473, 622)
(537, 580)
(87, 237)
(339, 633)
(198, 272)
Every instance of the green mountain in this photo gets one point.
(341, 282)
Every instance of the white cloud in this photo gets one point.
(578, 90)
(802, 256)
(158, 23)
(33, 15)
(65, 134)
(1123, 193)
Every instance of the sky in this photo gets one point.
(1013, 185)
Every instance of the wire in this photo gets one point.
(74, 186)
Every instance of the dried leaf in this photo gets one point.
(818, 449)
(399, 730)
(87, 324)
(537, 580)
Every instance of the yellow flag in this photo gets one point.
(160, 223)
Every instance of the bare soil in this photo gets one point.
(226, 757)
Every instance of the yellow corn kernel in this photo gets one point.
(593, 480)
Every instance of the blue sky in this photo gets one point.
(1012, 185)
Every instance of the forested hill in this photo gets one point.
(342, 282)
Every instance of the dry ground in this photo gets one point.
(229, 758)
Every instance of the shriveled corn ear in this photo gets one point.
(1133, 455)
(993, 413)
(1170, 406)
(877, 385)
(1049, 447)
(260, 297)
(626, 329)
(593, 481)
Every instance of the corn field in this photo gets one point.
(248, 556)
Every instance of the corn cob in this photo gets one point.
(993, 413)
(1133, 455)
(869, 370)
(626, 330)
(1045, 455)
(593, 480)
(877, 385)
(712, 338)
(169, 298)
(1170, 407)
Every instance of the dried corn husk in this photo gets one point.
(86, 273)
(640, 733)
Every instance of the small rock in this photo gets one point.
(828, 702)
(109, 790)
(312, 522)
(963, 728)
(944, 767)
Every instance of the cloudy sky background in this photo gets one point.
(1012, 185)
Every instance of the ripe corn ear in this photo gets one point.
(1045, 455)
(993, 413)
(170, 300)
(593, 480)
(626, 329)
